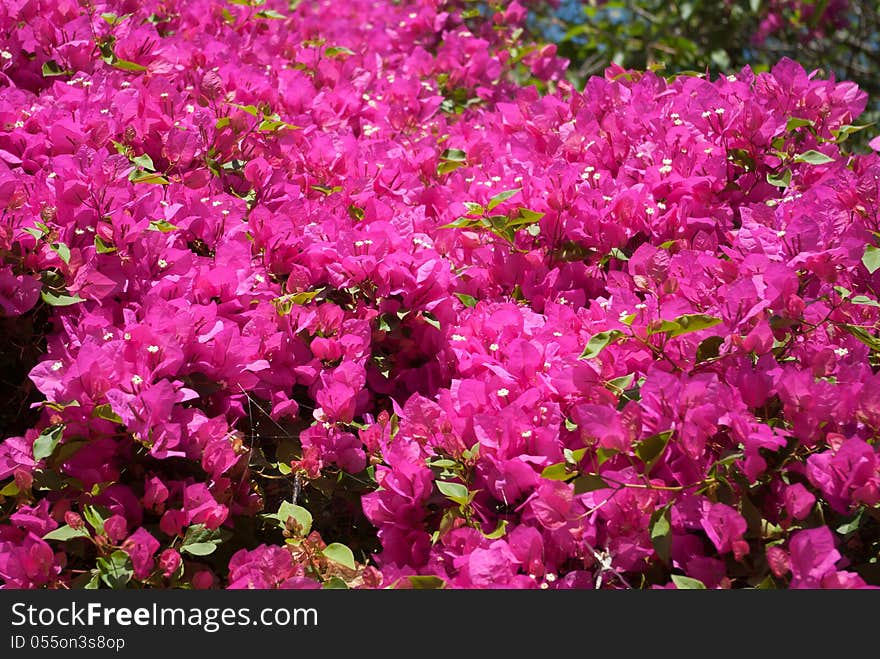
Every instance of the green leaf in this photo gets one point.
(9, 490)
(270, 14)
(95, 516)
(125, 65)
(798, 122)
(864, 300)
(163, 226)
(140, 176)
(649, 450)
(852, 525)
(661, 533)
(426, 582)
(103, 248)
(62, 250)
(144, 161)
(274, 125)
(499, 532)
(622, 383)
(45, 444)
(454, 491)
(598, 342)
(334, 583)
(529, 216)
(570, 425)
(60, 300)
(454, 155)
(199, 548)
(335, 51)
(686, 324)
(574, 457)
(52, 68)
(65, 533)
(862, 335)
(252, 110)
(465, 223)
(339, 553)
(116, 570)
(782, 180)
(589, 483)
(501, 197)
(840, 134)
(106, 412)
(557, 472)
(813, 157)
(467, 300)
(298, 514)
(871, 258)
(603, 455)
(687, 583)
(431, 319)
(474, 208)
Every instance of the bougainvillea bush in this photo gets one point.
(328, 294)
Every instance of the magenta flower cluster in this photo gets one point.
(624, 337)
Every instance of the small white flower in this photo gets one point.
(108, 336)
(57, 366)
(190, 108)
(719, 110)
(780, 233)
(557, 334)
(5, 54)
(162, 263)
(127, 336)
(494, 347)
(136, 380)
(459, 337)
(550, 577)
(841, 352)
(503, 392)
(667, 161)
(216, 203)
(649, 210)
(525, 434)
(641, 306)
(706, 114)
(260, 279)
(152, 349)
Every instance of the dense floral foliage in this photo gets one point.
(325, 294)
